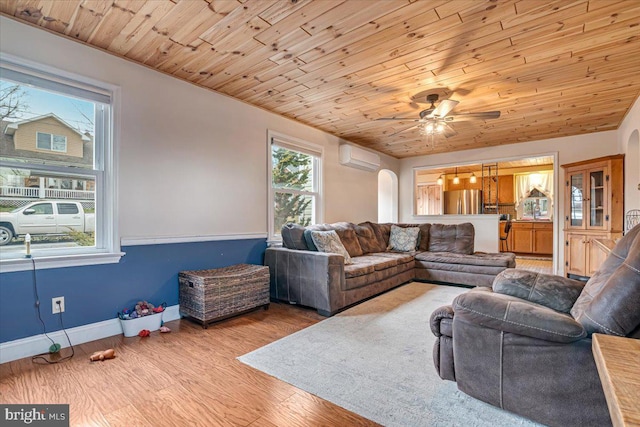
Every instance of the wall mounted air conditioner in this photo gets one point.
(359, 158)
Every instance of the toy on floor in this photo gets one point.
(144, 333)
(103, 355)
(164, 329)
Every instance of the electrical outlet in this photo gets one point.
(57, 305)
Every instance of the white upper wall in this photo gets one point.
(193, 162)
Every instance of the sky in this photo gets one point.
(75, 112)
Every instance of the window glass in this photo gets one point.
(42, 209)
(68, 208)
(292, 169)
(44, 141)
(54, 135)
(59, 143)
(295, 185)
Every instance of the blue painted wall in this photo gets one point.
(96, 293)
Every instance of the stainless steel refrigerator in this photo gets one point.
(463, 202)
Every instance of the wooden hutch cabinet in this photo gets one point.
(594, 210)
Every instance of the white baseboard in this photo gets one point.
(38, 344)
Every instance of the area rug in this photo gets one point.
(375, 359)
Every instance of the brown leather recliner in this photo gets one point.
(525, 344)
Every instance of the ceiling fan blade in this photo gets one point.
(404, 119)
(444, 108)
(404, 130)
(448, 131)
(463, 117)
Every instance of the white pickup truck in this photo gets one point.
(45, 217)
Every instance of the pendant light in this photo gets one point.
(440, 180)
(456, 180)
(472, 178)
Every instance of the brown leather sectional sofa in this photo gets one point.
(445, 253)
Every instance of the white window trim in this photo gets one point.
(302, 146)
(106, 224)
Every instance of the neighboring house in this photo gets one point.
(52, 140)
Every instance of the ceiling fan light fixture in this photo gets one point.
(429, 127)
(473, 179)
(440, 127)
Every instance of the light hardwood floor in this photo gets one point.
(189, 377)
(538, 265)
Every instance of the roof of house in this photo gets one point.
(9, 151)
(11, 127)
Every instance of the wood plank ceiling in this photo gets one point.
(552, 68)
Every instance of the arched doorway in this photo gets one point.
(632, 172)
(387, 196)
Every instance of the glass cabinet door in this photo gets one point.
(576, 200)
(597, 198)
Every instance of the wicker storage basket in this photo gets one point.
(210, 295)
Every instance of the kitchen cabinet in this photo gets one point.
(522, 240)
(530, 237)
(594, 209)
(542, 238)
(505, 189)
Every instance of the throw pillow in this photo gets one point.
(292, 236)
(328, 241)
(309, 240)
(403, 239)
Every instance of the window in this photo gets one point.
(68, 209)
(40, 209)
(56, 169)
(47, 141)
(295, 183)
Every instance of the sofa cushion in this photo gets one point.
(356, 269)
(349, 239)
(456, 238)
(379, 244)
(459, 268)
(399, 257)
(609, 301)
(506, 260)
(556, 292)
(367, 238)
(366, 264)
(378, 262)
(403, 239)
(511, 314)
(404, 271)
(346, 233)
(293, 236)
(328, 241)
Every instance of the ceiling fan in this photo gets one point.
(435, 120)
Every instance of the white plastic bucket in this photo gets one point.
(131, 327)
